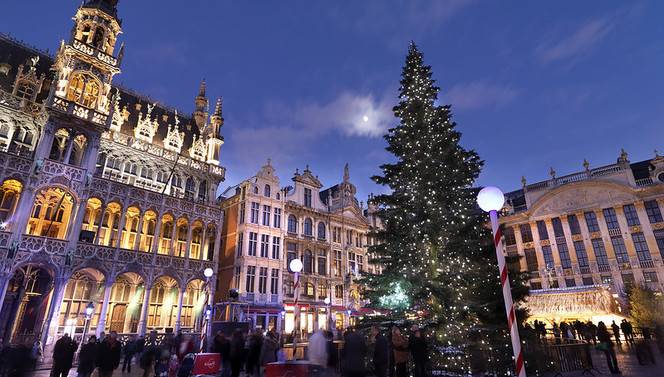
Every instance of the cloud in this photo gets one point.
(584, 38)
(287, 133)
(479, 94)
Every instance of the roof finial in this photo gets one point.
(202, 92)
(623, 154)
(523, 180)
(269, 160)
(656, 155)
(553, 173)
(585, 164)
(346, 174)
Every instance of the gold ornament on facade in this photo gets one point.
(658, 226)
(545, 243)
(577, 237)
(635, 228)
(528, 245)
(594, 235)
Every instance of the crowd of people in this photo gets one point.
(603, 337)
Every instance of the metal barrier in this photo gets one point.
(569, 355)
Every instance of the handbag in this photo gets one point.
(603, 346)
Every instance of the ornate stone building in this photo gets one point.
(108, 198)
(598, 226)
(265, 227)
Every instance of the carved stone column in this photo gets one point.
(101, 325)
(178, 322)
(139, 230)
(101, 223)
(53, 318)
(157, 234)
(144, 311)
(22, 213)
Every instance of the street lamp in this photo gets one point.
(491, 200)
(89, 309)
(208, 272)
(296, 267)
(329, 313)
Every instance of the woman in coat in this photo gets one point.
(268, 352)
(606, 345)
(400, 345)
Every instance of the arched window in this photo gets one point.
(60, 144)
(98, 39)
(84, 90)
(308, 227)
(51, 212)
(202, 188)
(9, 194)
(278, 196)
(309, 290)
(256, 190)
(267, 191)
(308, 262)
(321, 230)
(189, 185)
(292, 224)
(78, 150)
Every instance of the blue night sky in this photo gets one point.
(532, 84)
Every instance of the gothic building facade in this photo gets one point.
(108, 198)
(601, 226)
(267, 226)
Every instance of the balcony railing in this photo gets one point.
(604, 268)
(584, 270)
(588, 174)
(646, 264)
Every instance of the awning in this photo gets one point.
(340, 309)
(367, 311)
(271, 310)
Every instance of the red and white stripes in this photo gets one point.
(296, 311)
(206, 319)
(507, 294)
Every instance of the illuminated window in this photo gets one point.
(84, 90)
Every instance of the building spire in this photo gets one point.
(217, 120)
(200, 115)
(346, 174)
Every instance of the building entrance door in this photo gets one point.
(118, 318)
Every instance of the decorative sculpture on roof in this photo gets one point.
(174, 139)
(146, 127)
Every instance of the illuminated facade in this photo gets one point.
(267, 226)
(107, 197)
(598, 226)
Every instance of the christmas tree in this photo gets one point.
(436, 252)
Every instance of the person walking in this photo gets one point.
(380, 356)
(419, 351)
(63, 356)
(222, 346)
(237, 353)
(36, 354)
(354, 353)
(128, 350)
(254, 353)
(87, 358)
(390, 352)
(628, 331)
(140, 346)
(616, 332)
(268, 352)
(317, 353)
(605, 344)
(110, 351)
(332, 356)
(400, 352)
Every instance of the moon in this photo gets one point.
(365, 118)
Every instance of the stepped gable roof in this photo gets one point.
(328, 192)
(129, 99)
(15, 53)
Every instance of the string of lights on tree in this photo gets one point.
(434, 247)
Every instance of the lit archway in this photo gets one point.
(165, 235)
(125, 303)
(130, 230)
(10, 191)
(85, 286)
(51, 213)
(195, 248)
(163, 307)
(181, 237)
(109, 225)
(147, 232)
(192, 305)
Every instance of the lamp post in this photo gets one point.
(207, 310)
(491, 199)
(296, 267)
(88, 315)
(329, 313)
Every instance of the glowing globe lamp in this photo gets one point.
(208, 272)
(296, 265)
(490, 199)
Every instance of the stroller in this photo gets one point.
(187, 365)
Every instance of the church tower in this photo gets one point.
(215, 140)
(86, 64)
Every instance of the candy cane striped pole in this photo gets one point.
(206, 319)
(507, 294)
(295, 313)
